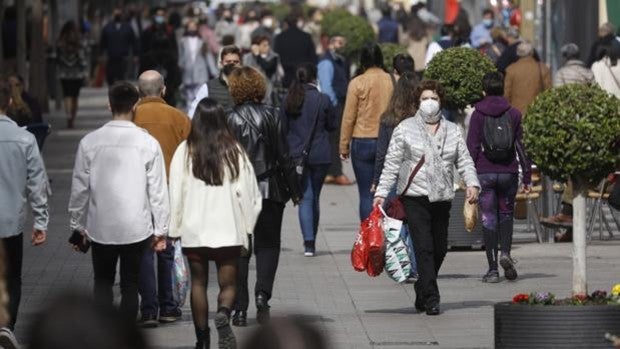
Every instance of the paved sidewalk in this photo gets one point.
(354, 310)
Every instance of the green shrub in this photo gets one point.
(332, 17)
(460, 71)
(358, 33)
(573, 132)
(390, 51)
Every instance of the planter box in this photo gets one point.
(563, 326)
(458, 237)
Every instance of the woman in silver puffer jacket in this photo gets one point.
(436, 146)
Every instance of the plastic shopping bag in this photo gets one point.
(359, 253)
(376, 242)
(180, 275)
(397, 262)
(470, 213)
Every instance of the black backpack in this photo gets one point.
(499, 139)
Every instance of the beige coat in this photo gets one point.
(367, 98)
(525, 79)
(212, 216)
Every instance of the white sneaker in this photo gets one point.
(309, 254)
(7, 339)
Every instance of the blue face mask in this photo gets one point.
(159, 19)
(487, 22)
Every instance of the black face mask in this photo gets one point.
(228, 68)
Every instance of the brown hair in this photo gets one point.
(402, 103)
(432, 85)
(5, 94)
(230, 49)
(246, 84)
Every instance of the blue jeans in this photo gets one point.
(309, 209)
(156, 292)
(363, 151)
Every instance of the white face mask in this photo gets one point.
(429, 110)
(268, 22)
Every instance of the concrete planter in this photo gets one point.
(562, 326)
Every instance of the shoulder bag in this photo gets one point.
(395, 208)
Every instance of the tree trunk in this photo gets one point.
(38, 73)
(21, 37)
(580, 286)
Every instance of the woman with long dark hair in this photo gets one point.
(214, 204)
(367, 98)
(310, 118)
(71, 68)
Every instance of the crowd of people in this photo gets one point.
(235, 115)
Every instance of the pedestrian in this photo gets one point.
(294, 47)
(169, 126)
(226, 26)
(75, 321)
(435, 147)
(71, 67)
(525, 78)
(244, 35)
(509, 55)
(367, 98)
(119, 198)
(214, 201)
(607, 70)
(261, 131)
(217, 88)
(388, 26)
(606, 37)
(193, 61)
(266, 27)
(24, 102)
(310, 117)
(118, 42)
(417, 42)
(22, 180)
(401, 106)
(494, 49)
(265, 60)
(498, 174)
(313, 27)
(402, 63)
(160, 53)
(445, 42)
(333, 75)
(574, 71)
(481, 33)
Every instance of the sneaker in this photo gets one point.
(262, 309)
(226, 337)
(7, 339)
(309, 248)
(148, 321)
(509, 267)
(172, 316)
(492, 277)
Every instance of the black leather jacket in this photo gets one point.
(260, 131)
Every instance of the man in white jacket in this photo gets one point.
(119, 198)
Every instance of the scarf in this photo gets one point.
(438, 185)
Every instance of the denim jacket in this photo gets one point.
(22, 178)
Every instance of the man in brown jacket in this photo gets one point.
(170, 127)
(525, 78)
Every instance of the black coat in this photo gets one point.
(259, 129)
(294, 47)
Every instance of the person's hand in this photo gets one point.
(296, 201)
(255, 49)
(378, 201)
(159, 243)
(38, 237)
(76, 248)
(471, 194)
(373, 188)
(344, 156)
(525, 188)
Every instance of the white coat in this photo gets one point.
(212, 216)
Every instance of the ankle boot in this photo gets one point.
(203, 338)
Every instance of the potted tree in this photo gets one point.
(570, 132)
(460, 71)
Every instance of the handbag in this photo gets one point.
(397, 261)
(395, 207)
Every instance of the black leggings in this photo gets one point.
(226, 263)
(267, 233)
(14, 251)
